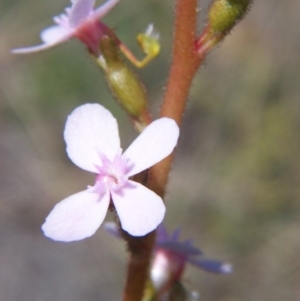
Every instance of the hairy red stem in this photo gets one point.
(185, 62)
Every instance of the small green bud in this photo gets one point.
(224, 14)
(222, 17)
(124, 84)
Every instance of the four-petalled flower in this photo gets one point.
(81, 21)
(93, 144)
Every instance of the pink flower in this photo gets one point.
(93, 144)
(81, 21)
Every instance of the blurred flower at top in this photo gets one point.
(171, 256)
(80, 21)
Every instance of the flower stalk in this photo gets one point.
(185, 63)
(140, 249)
(189, 52)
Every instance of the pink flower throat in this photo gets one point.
(112, 174)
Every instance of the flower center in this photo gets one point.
(111, 181)
(112, 174)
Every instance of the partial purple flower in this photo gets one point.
(80, 21)
(93, 144)
(171, 256)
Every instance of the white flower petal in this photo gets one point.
(155, 143)
(91, 129)
(76, 217)
(55, 34)
(105, 8)
(79, 11)
(139, 209)
(32, 49)
(51, 37)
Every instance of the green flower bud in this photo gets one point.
(124, 84)
(224, 14)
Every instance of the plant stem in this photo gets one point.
(185, 63)
(140, 249)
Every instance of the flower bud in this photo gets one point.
(124, 84)
(223, 15)
(167, 268)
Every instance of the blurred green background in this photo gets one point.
(235, 183)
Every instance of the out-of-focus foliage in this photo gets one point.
(235, 181)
